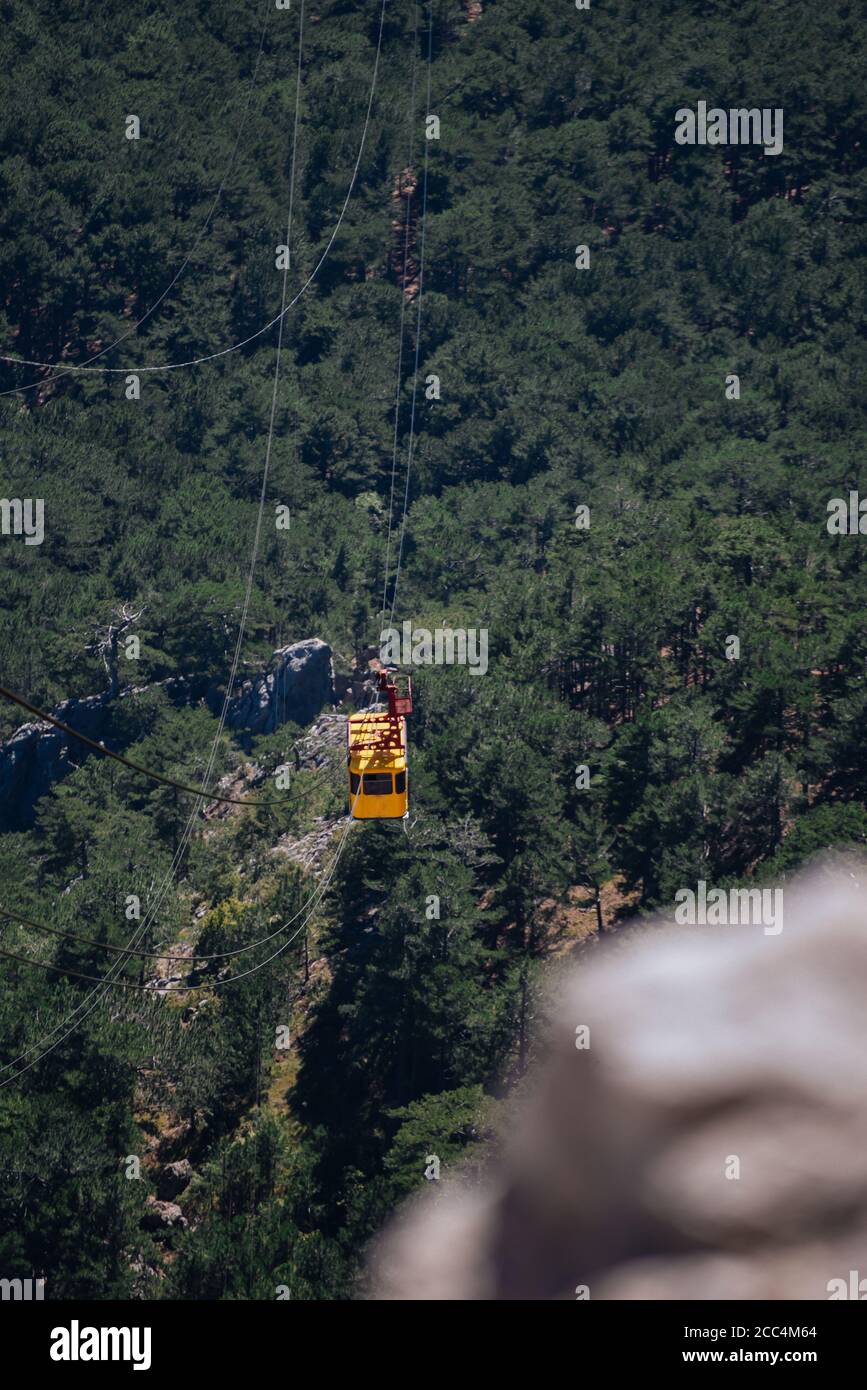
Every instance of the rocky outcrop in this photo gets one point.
(404, 257)
(37, 755)
(317, 746)
(313, 850)
(294, 687)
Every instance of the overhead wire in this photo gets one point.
(250, 946)
(151, 987)
(136, 954)
(410, 447)
(44, 381)
(139, 767)
(235, 347)
(106, 980)
(403, 297)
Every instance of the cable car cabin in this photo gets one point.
(377, 777)
(376, 757)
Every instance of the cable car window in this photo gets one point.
(354, 780)
(400, 781)
(377, 784)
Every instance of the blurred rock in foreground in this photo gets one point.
(713, 1052)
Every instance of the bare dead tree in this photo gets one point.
(106, 642)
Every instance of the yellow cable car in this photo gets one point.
(377, 757)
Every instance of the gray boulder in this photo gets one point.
(161, 1216)
(174, 1178)
(294, 688)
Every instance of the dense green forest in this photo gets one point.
(561, 387)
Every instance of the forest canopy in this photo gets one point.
(507, 375)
